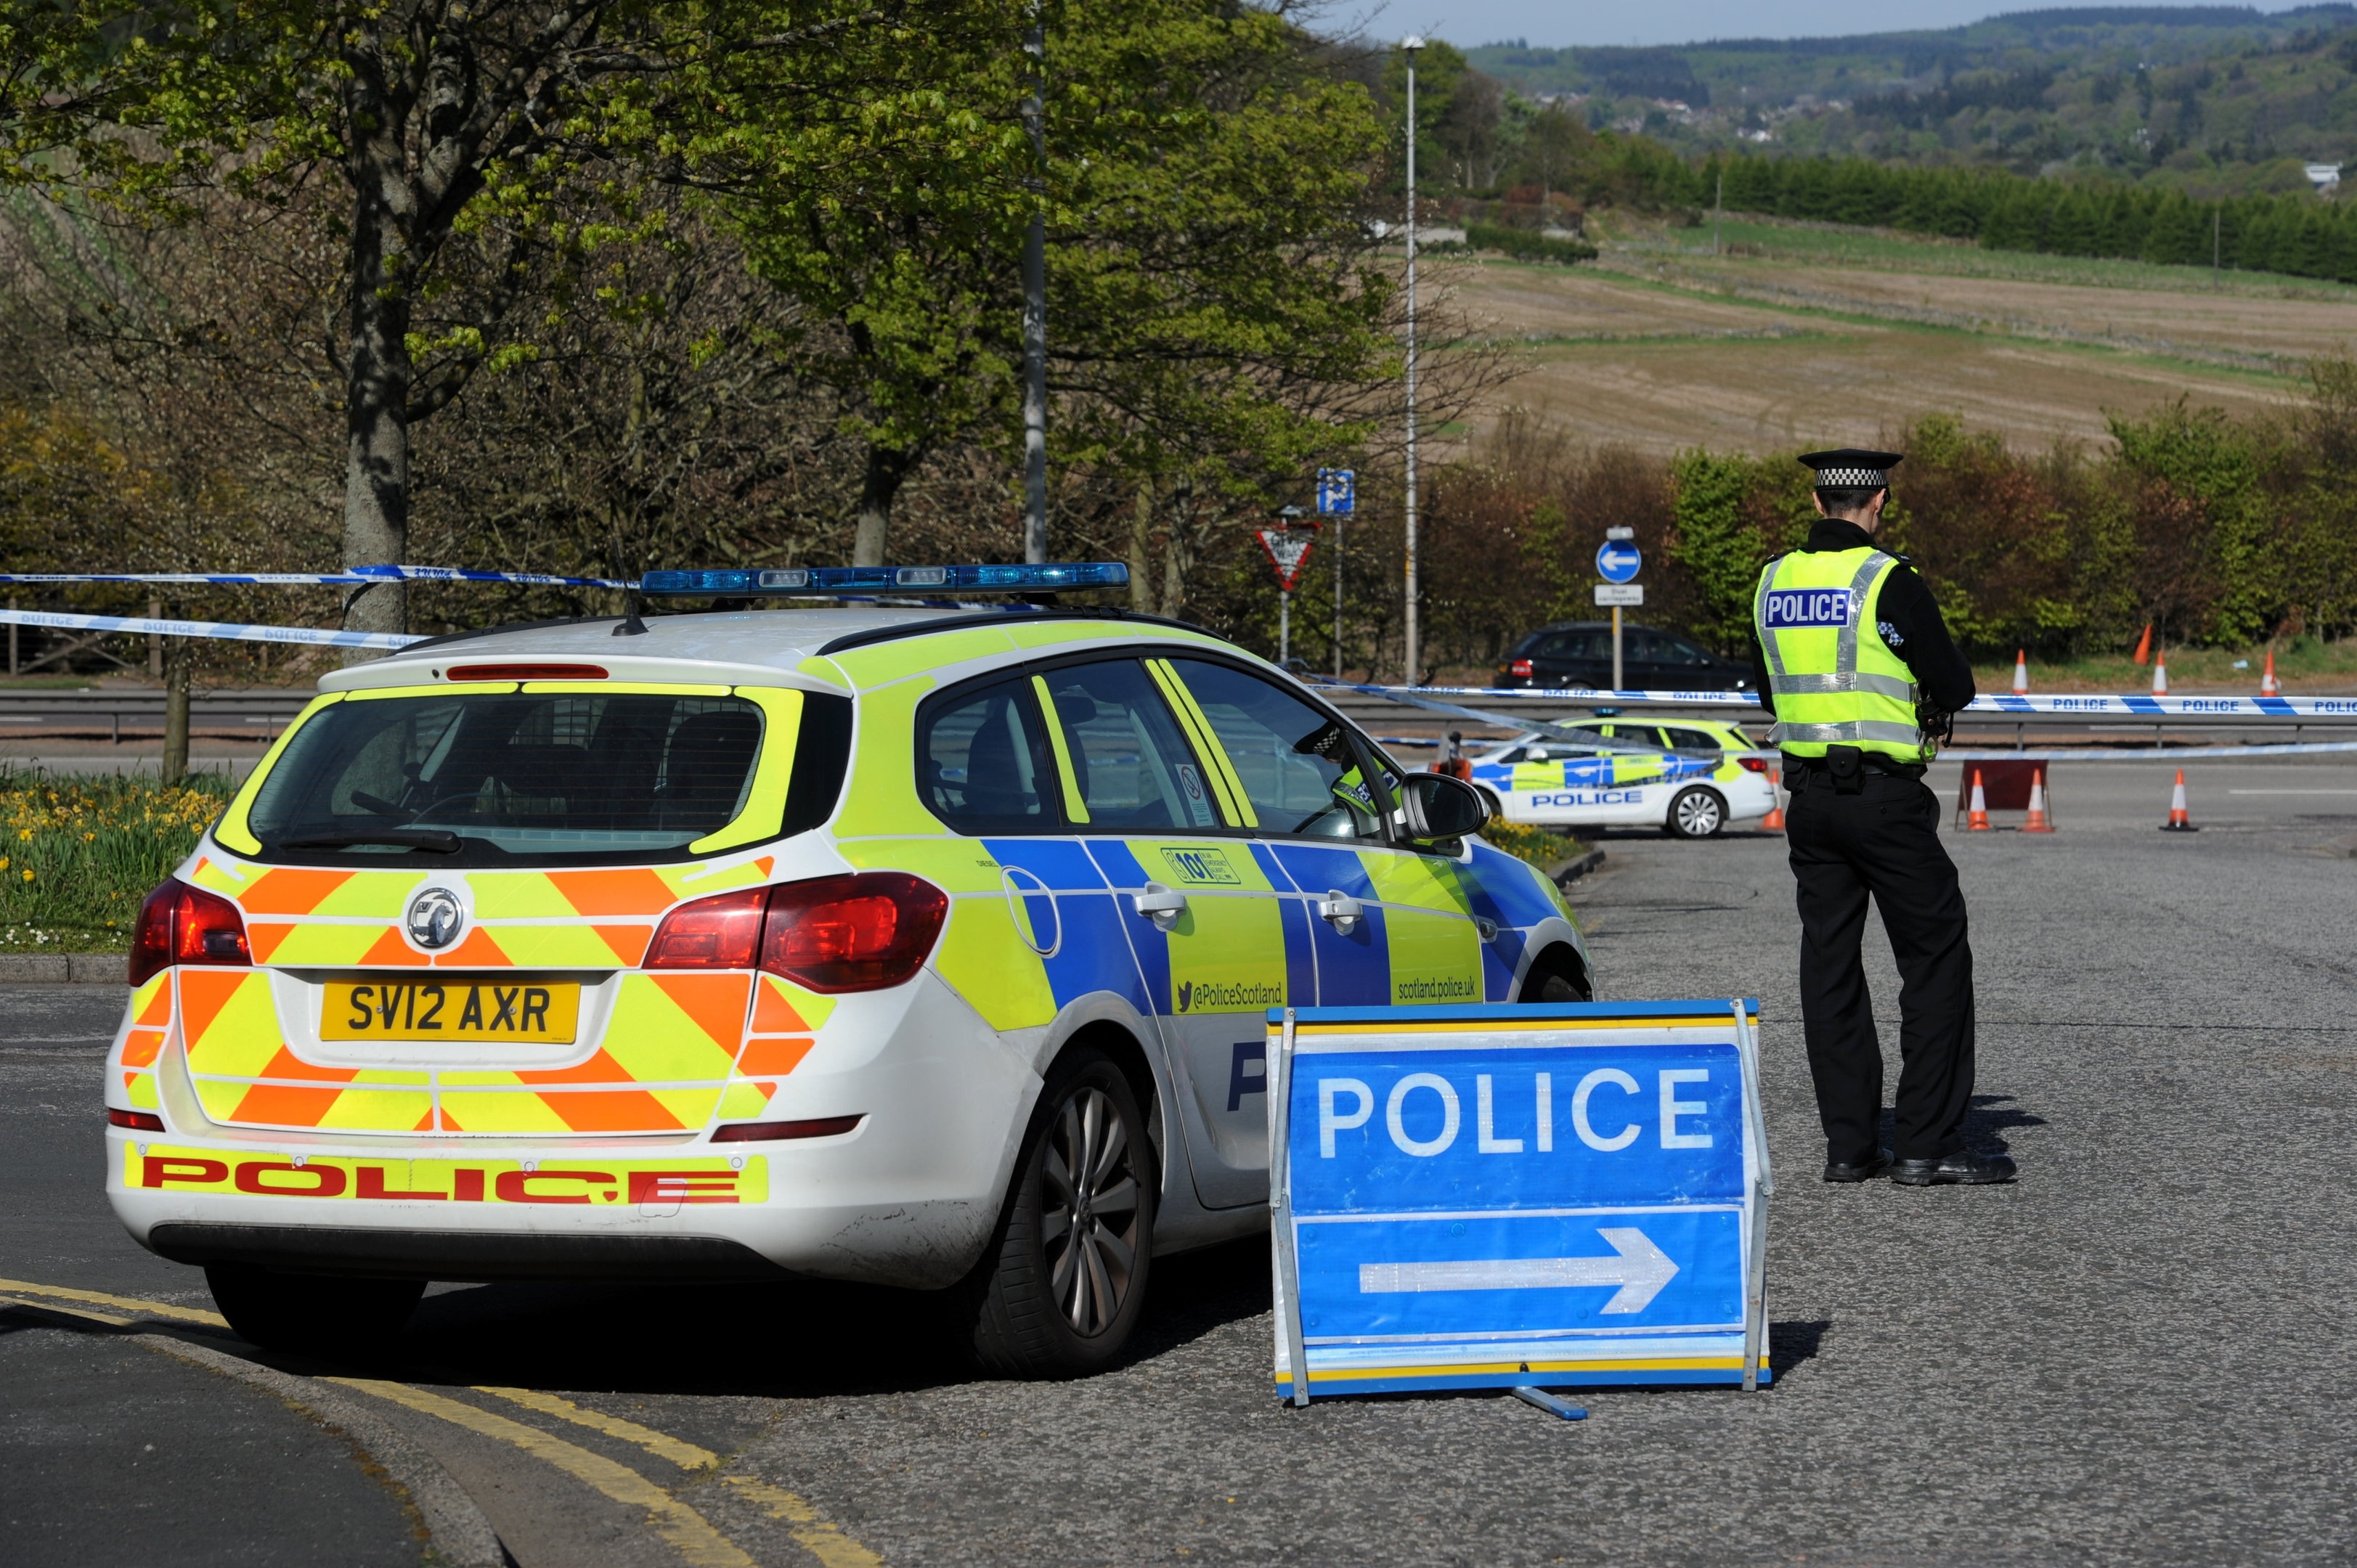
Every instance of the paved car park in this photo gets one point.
(2136, 1354)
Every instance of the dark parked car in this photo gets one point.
(1578, 654)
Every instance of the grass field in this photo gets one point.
(1806, 334)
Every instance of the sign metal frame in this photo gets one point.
(1492, 1356)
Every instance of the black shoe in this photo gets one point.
(1963, 1168)
(1866, 1169)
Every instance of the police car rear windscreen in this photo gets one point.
(565, 779)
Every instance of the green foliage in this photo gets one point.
(2218, 532)
(1526, 246)
(78, 855)
(1536, 845)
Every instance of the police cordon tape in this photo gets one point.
(2095, 706)
(357, 577)
(234, 631)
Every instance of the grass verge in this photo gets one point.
(2304, 664)
(78, 855)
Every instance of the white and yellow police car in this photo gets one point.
(921, 947)
(1689, 778)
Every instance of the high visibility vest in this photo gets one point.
(1834, 687)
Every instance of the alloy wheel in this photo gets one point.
(1698, 815)
(1091, 1212)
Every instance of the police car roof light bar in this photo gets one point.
(773, 581)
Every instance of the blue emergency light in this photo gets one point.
(1046, 578)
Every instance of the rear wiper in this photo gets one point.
(435, 841)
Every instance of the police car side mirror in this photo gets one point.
(1439, 807)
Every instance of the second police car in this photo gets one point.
(1690, 779)
(917, 947)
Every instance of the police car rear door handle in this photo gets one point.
(1160, 905)
(1341, 908)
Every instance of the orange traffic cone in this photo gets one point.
(2038, 821)
(1773, 822)
(2160, 674)
(2268, 685)
(2180, 821)
(2144, 646)
(2021, 672)
(1978, 822)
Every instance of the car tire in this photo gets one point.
(1695, 814)
(320, 1315)
(1052, 1299)
(1557, 975)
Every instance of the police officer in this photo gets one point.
(1852, 658)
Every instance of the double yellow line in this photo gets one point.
(689, 1533)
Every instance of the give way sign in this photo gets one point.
(1289, 552)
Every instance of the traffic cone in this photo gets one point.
(2021, 672)
(2038, 821)
(2160, 674)
(1978, 822)
(2268, 685)
(2180, 820)
(1773, 822)
(2143, 647)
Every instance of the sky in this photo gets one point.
(1557, 23)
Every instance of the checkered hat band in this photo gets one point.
(1852, 478)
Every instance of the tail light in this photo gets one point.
(723, 931)
(862, 932)
(181, 924)
(1752, 764)
(1520, 667)
(852, 933)
(137, 1121)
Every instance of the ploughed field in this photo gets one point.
(1800, 336)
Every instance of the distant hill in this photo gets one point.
(2215, 101)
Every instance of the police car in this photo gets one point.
(924, 947)
(1690, 779)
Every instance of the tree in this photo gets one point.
(1209, 305)
(419, 110)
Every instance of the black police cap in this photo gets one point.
(1852, 468)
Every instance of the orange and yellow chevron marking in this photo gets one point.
(782, 1007)
(142, 1046)
(151, 1004)
(743, 1101)
(765, 1056)
(227, 1022)
(628, 943)
(636, 891)
(290, 890)
(480, 950)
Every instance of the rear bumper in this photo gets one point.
(910, 1197)
(491, 1255)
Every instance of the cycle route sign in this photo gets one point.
(1504, 1197)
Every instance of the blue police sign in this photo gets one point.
(1617, 562)
(1338, 492)
(1501, 1196)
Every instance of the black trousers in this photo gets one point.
(1884, 842)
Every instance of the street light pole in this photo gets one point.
(1035, 304)
(1408, 45)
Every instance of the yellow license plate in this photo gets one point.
(548, 1013)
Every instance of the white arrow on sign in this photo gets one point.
(1641, 1270)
